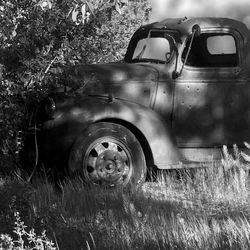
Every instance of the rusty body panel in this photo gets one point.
(77, 116)
(185, 109)
(123, 81)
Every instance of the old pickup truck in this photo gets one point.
(180, 94)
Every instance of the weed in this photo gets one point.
(25, 240)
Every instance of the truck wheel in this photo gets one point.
(108, 154)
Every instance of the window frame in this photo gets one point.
(165, 37)
(225, 31)
(174, 34)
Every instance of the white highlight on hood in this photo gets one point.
(237, 9)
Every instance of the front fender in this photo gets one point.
(83, 111)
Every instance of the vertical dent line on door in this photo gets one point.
(154, 91)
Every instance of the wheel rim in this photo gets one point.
(107, 161)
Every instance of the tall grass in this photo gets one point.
(203, 209)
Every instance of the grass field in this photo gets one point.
(203, 209)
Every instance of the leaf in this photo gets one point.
(14, 33)
(83, 10)
(75, 13)
(90, 7)
(124, 1)
(245, 156)
(119, 4)
(45, 4)
(117, 7)
(247, 145)
(49, 4)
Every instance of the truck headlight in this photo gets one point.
(50, 107)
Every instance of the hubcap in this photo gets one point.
(107, 162)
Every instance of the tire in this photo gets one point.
(108, 154)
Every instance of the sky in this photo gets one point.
(237, 9)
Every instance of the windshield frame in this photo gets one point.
(171, 35)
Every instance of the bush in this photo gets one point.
(38, 38)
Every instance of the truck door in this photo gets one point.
(211, 103)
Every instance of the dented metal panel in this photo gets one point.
(86, 110)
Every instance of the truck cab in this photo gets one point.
(203, 81)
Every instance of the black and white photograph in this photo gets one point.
(124, 125)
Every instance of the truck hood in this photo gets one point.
(110, 74)
(130, 82)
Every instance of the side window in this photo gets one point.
(212, 50)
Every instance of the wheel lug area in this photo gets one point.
(108, 162)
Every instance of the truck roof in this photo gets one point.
(184, 25)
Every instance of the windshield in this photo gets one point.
(154, 45)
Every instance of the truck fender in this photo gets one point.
(150, 125)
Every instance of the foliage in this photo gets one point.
(25, 239)
(39, 38)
